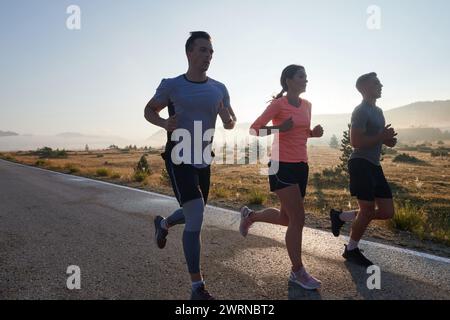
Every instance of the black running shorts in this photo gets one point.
(367, 180)
(188, 182)
(289, 174)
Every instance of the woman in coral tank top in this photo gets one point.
(288, 168)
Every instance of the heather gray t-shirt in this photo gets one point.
(371, 120)
(196, 105)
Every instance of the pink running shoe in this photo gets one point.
(305, 280)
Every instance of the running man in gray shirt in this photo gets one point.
(369, 120)
(194, 101)
(368, 133)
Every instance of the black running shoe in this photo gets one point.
(336, 222)
(356, 257)
(160, 233)
(201, 294)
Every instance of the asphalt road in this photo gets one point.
(50, 221)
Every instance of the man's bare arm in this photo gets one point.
(151, 113)
(227, 116)
(359, 140)
(232, 114)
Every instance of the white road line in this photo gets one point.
(375, 244)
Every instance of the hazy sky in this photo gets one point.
(97, 80)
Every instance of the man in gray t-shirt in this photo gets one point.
(196, 105)
(194, 102)
(369, 119)
(368, 133)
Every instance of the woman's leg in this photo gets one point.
(270, 215)
(292, 202)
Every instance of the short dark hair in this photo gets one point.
(194, 36)
(363, 79)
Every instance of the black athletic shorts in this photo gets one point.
(188, 182)
(367, 180)
(289, 174)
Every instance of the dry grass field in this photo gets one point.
(421, 190)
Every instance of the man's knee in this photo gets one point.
(193, 213)
(385, 209)
(368, 213)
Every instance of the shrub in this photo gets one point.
(332, 172)
(47, 152)
(10, 158)
(441, 235)
(142, 169)
(99, 155)
(334, 143)
(439, 153)
(60, 153)
(333, 178)
(139, 176)
(41, 163)
(102, 172)
(115, 175)
(406, 158)
(256, 197)
(143, 166)
(72, 168)
(221, 192)
(346, 150)
(409, 217)
(165, 179)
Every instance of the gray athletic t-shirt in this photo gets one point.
(371, 120)
(196, 105)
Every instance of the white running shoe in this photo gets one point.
(305, 280)
(245, 221)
